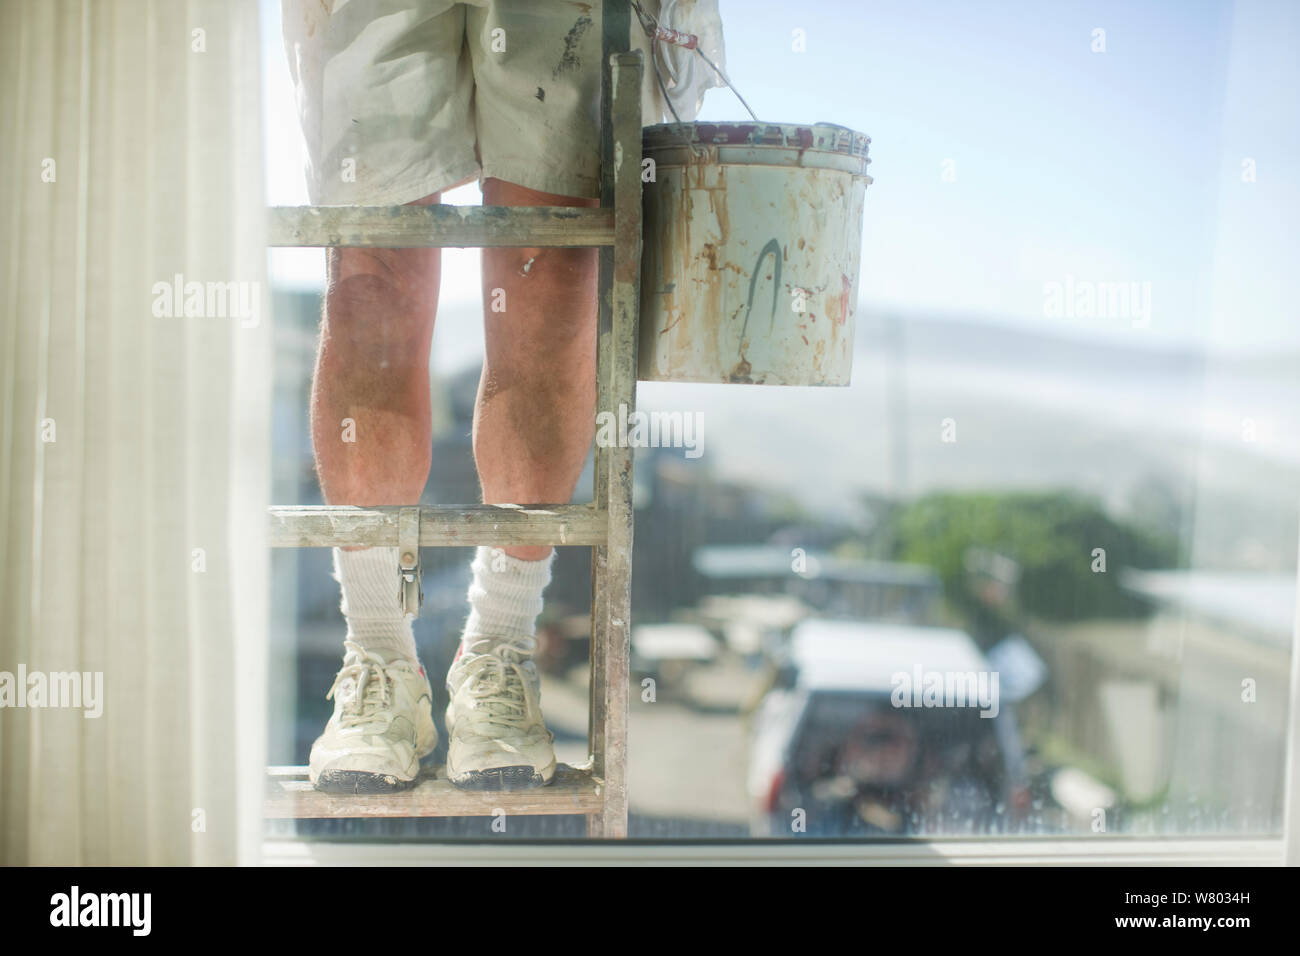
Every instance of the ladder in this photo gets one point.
(596, 789)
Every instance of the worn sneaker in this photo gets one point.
(496, 737)
(381, 727)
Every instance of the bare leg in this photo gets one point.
(372, 367)
(535, 414)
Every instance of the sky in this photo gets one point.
(1009, 154)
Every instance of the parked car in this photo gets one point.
(839, 749)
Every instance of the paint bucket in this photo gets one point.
(752, 239)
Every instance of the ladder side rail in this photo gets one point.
(623, 348)
(612, 563)
(614, 38)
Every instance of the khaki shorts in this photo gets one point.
(403, 98)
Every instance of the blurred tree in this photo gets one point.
(1053, 537)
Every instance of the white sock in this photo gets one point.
(505, 597)
(371, 602)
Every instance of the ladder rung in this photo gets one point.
(289, 795)
(324, 526)
(399, 227)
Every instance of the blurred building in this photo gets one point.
(1188, 708)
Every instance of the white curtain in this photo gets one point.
(134, 461)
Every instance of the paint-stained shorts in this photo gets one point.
(402, 98)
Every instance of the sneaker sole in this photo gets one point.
(358, 781)
(521, 777)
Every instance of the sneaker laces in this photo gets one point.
(372, 685)
(497, 682)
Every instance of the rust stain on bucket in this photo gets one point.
(750, 237)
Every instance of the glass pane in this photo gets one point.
(1033, 572)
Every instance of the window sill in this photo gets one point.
(1012, 851)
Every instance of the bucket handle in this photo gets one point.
(689, 41)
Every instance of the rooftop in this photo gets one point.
(864, 655)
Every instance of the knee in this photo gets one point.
(381, 282)
(380, 308)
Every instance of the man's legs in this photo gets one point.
(371, 432)
(532, 428)
(533, 423)
(535, 413)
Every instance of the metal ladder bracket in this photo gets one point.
(411, 586)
